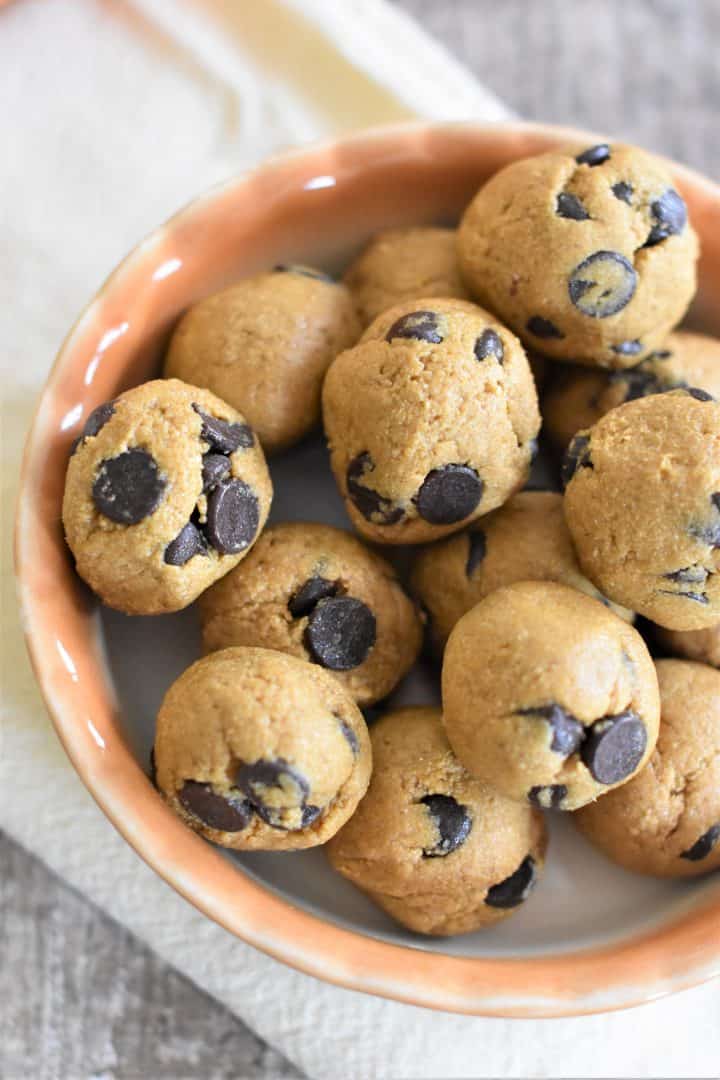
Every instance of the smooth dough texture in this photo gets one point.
(439, 851)
(549, 696)
(666, 821)
(258, 751)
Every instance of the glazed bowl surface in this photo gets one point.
(592, 937)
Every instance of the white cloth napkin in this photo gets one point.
(113, 114)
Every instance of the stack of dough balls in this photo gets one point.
(570, 271)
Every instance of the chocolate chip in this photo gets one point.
(340, 633)
(489, 344)
(188, 543)
(698, 598)
(452, 821)
(549, 797)
(305, 271)
(515, 889)
(709, 533)
(623, 191)
(309, 815)
(306, 598)
(370, 504)
(627, 348)
(577, 456)
(702, 847)
(698, 394)
(129, 487)
(602, 284)
(594, 155)
(477, 549)
(224, 437)
(233, 516)
(277, 792)
(670, 215)
(688, 575)
(417, 325)
(614, 747)
(449, 494)
(637, 382)
(567, 732)
(350, 737)
(215, 468)
(98, 418)
(543, 328)
(569, 206)
(217, 811)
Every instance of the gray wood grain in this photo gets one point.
(79, 997)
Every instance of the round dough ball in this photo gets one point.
(525, 540)
(166, 490)
(666, 822)
(258, 751)
(643, 507)
(318, 593)
(436, 849)
(549, 696)
(400, 264)
(700, 645)
(431, 420)
(586, 253)
(264, 345)
(581, 396)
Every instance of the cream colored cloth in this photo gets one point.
(112, 115)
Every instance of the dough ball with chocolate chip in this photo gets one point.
(580, 396)
(585, 252)
(643, 507)
(264, 345)
(666, 821)
(525, 540)
(318, 593)
(431, 420)
(400, 264)
(700, 645)
(259, 751)
(166, 490)
(439, 851)
(549, 696)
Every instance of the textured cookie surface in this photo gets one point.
(439, 851)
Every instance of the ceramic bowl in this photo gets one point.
(592, 937)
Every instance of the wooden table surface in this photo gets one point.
(79, 996)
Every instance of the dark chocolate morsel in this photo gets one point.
(614, 747)
(305, 271)
(370, 504)
(698, 394)
(477, 549)
(698, 598)
(623, 191)
(417, 325)
(602, 284)
(98, 418)
(515, 889)
(637, 382)
(549, 797)
(594, 155)
(569, 206)
(567, 732)
(688, 575)
(577, 456)
(222, 436)
(216, 811)
(129, 487)
(288, 786)
(188, 542)
(627, 348)
(350, 737)
(215, 468)
(710, 533)
(452, 821)
(309, 595)
(702, 847)
(543, 328)
(233, 516)
(670, 216)
(309, 815)
(489, 344)
(340, 633)
(449, 494)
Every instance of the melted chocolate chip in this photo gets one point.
(670, 216)
(216, 811)
(543, 328)
(222, 436)
(477, 549)
(449, 494)
(614, 747)
(567, 732)
(129, 487)
(350, 737)
(702, 847)
(418, 326)
(215, 468)
(627, 348)
(371, 505)
(698, 394)
(98, 418)
(188, 543)
(569, 206)
(489, 344)
(515, 889)
(577, 456)
(688, 575)
(549, 797)
(307, 597)
(594, 155)
(709, 533)
(698, 598)
(452, 822)
(637, 382)
(340, 633)
(305, 271)
(623, 192)
(233, 516)
(602, 284)
(277, 791)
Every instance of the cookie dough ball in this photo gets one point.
(400, 264)
(264, 346)
(666, 822)
(643, 507)
(318, 593)
(581, 396)
(166, 490)
(585, 252)
(549, 696)
(525, 540)
(439, 851)
(258, 751)
(431, 420)
(700, 645)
